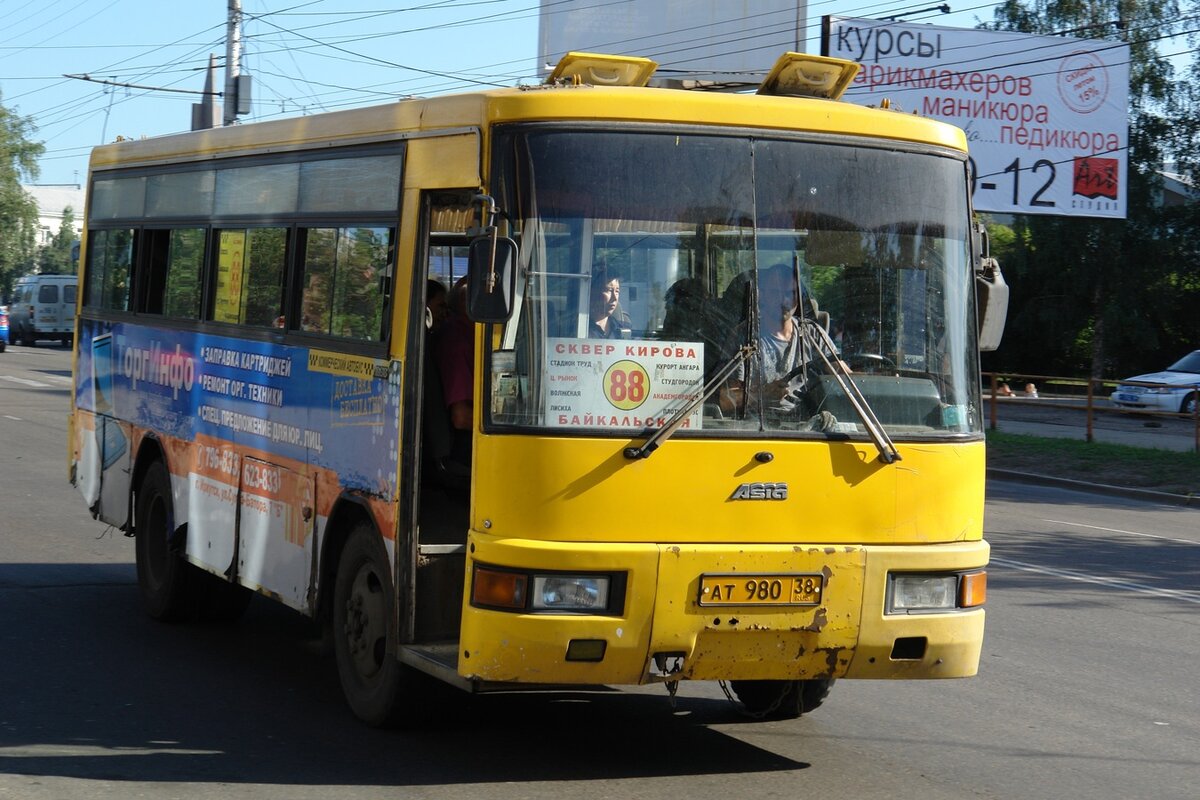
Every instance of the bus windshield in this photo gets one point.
(650, 260)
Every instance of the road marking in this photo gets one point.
(26, 382)
(1118, 530)
(91, 751)
(1071, 575)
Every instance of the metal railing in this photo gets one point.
(1053, 391)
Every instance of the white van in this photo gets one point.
(42, 307)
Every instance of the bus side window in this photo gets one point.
(266, 257)
(185, 262)
(169, 283)
(346, 281)
(250, 269)
(152, 275)
(110, 262)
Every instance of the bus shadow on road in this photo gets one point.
(96, 690)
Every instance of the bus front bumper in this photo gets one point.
(718, 612)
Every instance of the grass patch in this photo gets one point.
(1096, 462)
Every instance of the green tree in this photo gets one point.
(55, 257)
(18, 211)
(1185, 219)
(1093, 296)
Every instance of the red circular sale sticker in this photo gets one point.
(626, 385)
(1083, 82)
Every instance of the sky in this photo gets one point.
(305, 56)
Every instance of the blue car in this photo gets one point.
(3, 328)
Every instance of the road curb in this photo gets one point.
(1166, 498)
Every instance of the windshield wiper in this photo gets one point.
(672, 425)
(888, 453)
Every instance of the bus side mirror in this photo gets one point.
(991, 300)
(991, 292)
(492, 277)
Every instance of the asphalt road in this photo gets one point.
(1087, 686)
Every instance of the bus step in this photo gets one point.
(439, 659)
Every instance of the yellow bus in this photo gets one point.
(721, 417)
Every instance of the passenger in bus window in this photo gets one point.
(685, 317)
(454, 350)
(690, 317)
(606, 319)
(436, 306)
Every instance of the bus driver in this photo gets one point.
(780, 343)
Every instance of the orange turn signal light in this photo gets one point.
(498, 589)
(972, 589)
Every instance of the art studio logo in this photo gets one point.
(1096, 177)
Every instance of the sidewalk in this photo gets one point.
(1050, 420)
(1066, 418)
(1153, 438)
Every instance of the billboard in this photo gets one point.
(1046, 117)
(707, 40)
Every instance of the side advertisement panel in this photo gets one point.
(261, 439)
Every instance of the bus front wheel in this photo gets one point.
(373, 680)
(781, 699)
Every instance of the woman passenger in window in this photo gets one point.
(606, 319)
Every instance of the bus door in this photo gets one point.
(442, 460)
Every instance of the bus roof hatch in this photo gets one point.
(599, 69)
(805, 75)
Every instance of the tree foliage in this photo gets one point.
(1096, 296)
(55, 257)
(18, 211)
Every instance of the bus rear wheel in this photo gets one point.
(375, 683)
(781, 699)
(172, 589)
(165, 581)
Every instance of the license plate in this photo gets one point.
(802, 589)
(1129, 398)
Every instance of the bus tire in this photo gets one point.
(164, 578)
(781, 699)
(373, 680)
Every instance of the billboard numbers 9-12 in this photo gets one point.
(1046, 117)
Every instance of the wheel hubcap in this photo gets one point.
(365, 626)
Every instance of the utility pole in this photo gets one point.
(206, 112)
(233, 61)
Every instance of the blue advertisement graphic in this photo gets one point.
(109, 437)
(318, 407)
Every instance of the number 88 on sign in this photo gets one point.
(626, 385)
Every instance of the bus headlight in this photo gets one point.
(570, 592)
(913, 593)
(506, 589)
(923, 592)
